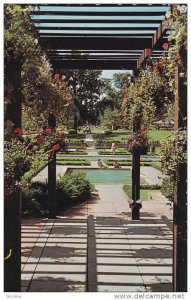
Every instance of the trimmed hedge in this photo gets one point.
(77, 152)
(117, 152)
(73, 163)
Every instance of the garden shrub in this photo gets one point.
(167, 188)
(35, 199)
(71, 131)
(73, 188)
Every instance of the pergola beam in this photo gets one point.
(156, 39)
(94, 64)
(96, 43)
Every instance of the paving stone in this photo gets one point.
(115, 252)
(65, 239)
(118, 269)
(155, 270)
(121, 288)
(26, 276)
(127, 279)
(112, 241)
(113, 246)
(75, 278)
(64, 260)
(66, 245)
(73, 268)
(154, 261)
(24, 289)
(149, 242)
(159, 287)
(156, 279)
(55, 286)
(29, 267)
(110, 235)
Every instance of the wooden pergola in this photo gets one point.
(117, 36)
(113, 36)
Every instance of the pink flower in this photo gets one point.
(57, 76)
(165, 46)
(148, 52)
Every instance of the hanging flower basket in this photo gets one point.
(138, 143)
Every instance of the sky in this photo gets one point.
(109, 73)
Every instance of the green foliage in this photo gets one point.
(75, 152)
(71, 131)
(20, 35)
(40, 92)
(167, 188)
(74, 161)
(128, 190)
(177, 22)
(35, 200)
(17, 161)
(174, 152)
(86, 87)
(73, 187)
(110, 119)
(144, 191)
(117, 152)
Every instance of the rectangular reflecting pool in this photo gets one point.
(107, 176)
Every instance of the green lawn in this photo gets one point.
(159, 135)
(144, 193)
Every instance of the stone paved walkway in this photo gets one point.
(95, 246)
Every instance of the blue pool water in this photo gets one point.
(105, 175)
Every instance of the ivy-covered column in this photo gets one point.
(180, 196)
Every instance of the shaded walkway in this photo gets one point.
(96, 247)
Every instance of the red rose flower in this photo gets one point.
(48, 130)
(40, 139)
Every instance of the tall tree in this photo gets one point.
(86, 87)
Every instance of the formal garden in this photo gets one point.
(69, 131)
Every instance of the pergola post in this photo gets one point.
(180, 197)
(12, 243)
(52, 186)
(52, 172)
(135, 214)
(12, 203)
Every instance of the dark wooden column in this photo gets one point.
(52, 185)
(12, 243)
(12, 203)
(135, 214)
(180, 197)
(135, 185)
